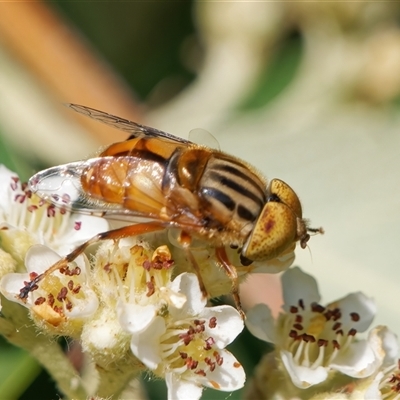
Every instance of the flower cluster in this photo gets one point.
(319, 346)
(137, 305)
(125, 305)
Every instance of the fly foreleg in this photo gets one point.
(230, 270)
(115, 234)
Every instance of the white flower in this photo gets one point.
(132, 277)
(132, 283)
(26, 220)
(385, 383)
(186, 344)
(313, 339)
(61, 297)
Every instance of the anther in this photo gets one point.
(336, 326)
(62, 294)
(293, 334)
(209, 342)
(336, 344)
(150, 287)
(50, 299)
(322, 343)
(39, 301)
(200, 372)
(355, 317)
(352, 332)
(315, 307)
(299, 327)
(212, 323)
(147, 265)
(51, 211)
(76, 289)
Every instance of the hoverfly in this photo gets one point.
(174, 183)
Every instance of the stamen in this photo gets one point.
(306, 355)
(320, 359)
(299, 352)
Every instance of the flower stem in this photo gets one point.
(114, 379)
(19, 330)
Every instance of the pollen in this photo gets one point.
(56, 295)
(316, 334)
(191, 349)
(389, 386)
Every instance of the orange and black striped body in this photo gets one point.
(176, 183)
(204, 191)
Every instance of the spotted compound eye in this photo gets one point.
(286, 195)
(274, 232)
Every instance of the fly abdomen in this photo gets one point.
(236, 195)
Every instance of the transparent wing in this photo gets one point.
(135, 129)
(61, 186)
(203, 137)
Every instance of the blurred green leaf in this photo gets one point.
(17, 371)
(141, 40)
(279, 73)
(6, 157)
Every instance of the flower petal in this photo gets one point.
(359, 306)
(10, 287)
(365, 357)
(39, 258)
(135, 318)
(86, 307)
(260, 323)
(89, 226)
(302, 377)
(229, 324)
(188, 284)
(146, 345)
(181, 389)
(388, 343)
(229, 377)
(298, 285)
(372, 392)
(358, 360)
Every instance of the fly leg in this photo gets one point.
(115, 234)
(230, 270)
(185, 240)
(196, 268)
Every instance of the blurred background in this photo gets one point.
(306, 92)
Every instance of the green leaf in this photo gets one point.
(279, 73)
(17, 371)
